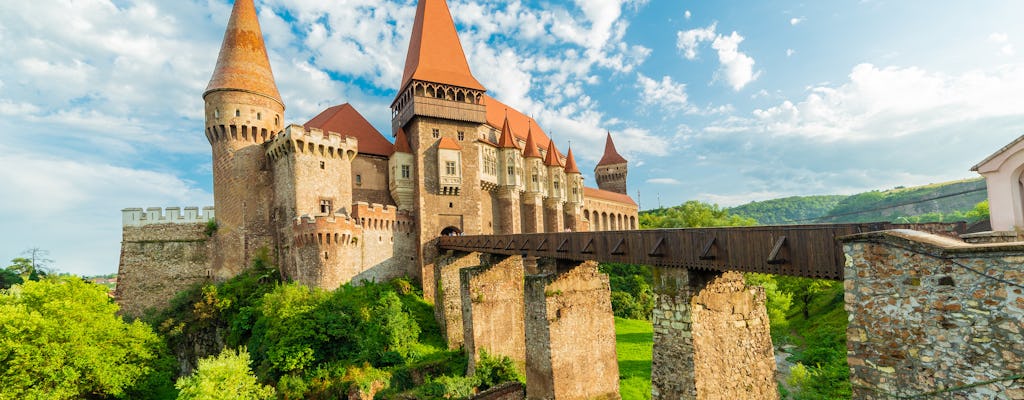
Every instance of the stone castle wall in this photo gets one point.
(158, 260)
(492, 311)
(935, 317)
(370, 180)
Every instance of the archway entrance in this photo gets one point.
(451, 231)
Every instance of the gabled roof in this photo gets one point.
(448, 144)
(998, 157)
(530, 150)
(552, 157)
(243, 63)
(519, 123)
(402, 142)
(435, 52)
(344, 119)
(507, 141)
(607, 196)
(611, 156)
(570, 163)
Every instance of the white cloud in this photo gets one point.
(1003, 41)
(687, 14)
(790, 52)
(796, 20)
(878, 103)
(736, 67)
(666, 94)
(664, 181)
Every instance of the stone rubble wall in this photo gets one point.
(448, 307)
(925, 325)
(158, 261)
(492, 311)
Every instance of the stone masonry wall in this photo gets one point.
(711, 338)
(158, 261)
(570, 336)
(448, 305)
(934, 317)
(492, 311)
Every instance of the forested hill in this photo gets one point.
(949, 201)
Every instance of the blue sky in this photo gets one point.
(726, 102)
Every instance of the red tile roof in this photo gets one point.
(518, 123)
(402, 142)
(552, 158)
(611, 156)
(435, 52)
(506, 140)
(344, 119)
(530, 150)
(606, 195)
(570, 163)
(243, 63)
(448, 143)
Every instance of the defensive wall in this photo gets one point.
(162, 252)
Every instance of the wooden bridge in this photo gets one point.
(811, 251)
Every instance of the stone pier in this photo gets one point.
(711, 338)
(448, 297)
(570, 335)
(492, 311)
(932, 317)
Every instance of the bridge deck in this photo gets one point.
(811, 251)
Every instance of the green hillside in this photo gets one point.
(940, 202)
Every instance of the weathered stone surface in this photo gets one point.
(492, 311)
(933, 324)
(570, 336)
(448, 304)
(158, 261)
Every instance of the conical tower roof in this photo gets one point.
(552, 158)
(531, 145)
(506, 141)
(570, 163)
(402, 142)
(611, 156)
(243, 63)
(435, 52)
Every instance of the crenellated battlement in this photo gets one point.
(298, 139)
(323, 230)
(170, 215)
(379, 217)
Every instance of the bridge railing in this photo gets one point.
(812, 251)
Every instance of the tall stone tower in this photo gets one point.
(243, 110)
(440, 106)
(610, 172)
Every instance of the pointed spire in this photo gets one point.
(243, 63)
(611, 156)
(435, 52)
(570, 163)
(506, 141)
(402, 142)
(552, 158)
(531, 145)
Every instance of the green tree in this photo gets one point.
(9, 278)
(692, 214)
(223, 377)
(804, 290)
(60, 338)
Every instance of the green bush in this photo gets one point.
(223, 377)
(494, 370)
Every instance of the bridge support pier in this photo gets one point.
(492, 311)
(711, 337)
(932, 317)
(448, 297)
(570, 334)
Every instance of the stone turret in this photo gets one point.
(400, 178)
(510, 171)
(553, 218)
(611, 171)
(243, 111)
(574, 195)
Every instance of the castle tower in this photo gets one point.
(400, 178)
(510, 180)
(574, 194)
(243, 110)
(556, 190)
(440, 106)
(610, 172)
(536, 186)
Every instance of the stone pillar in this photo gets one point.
(553, 215)
(711, 338)
(492, 311)
(508, 211)
(448, 300)
(933, 317)
(533, 213)
(570, 335)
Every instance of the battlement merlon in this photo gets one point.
(328, 144)
(171, 215)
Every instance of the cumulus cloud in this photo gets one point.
(790, 52)
(796, 20)
(736, 67)
(687, 14)
(666, 93)
(1003, 41)
(664, 181)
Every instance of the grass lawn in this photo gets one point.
(633, 344)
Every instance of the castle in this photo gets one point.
(333, 201)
